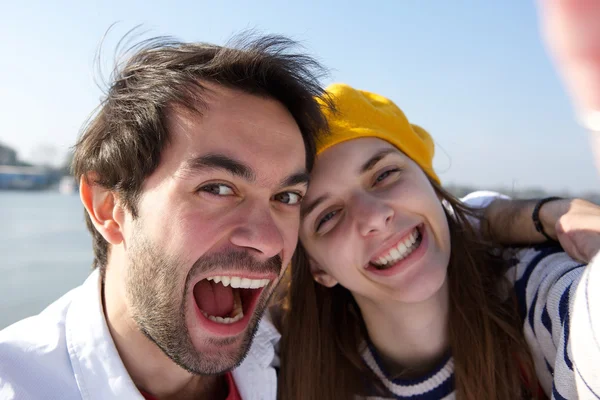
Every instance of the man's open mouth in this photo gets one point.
(226, 299)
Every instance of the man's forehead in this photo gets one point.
(215, 99)
(231, 112)
(258, 133)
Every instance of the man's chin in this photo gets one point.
(218, 355)
(219, 349)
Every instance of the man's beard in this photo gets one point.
(159, 306)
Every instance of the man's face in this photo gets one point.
(217, 225)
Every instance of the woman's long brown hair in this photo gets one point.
(323, 329)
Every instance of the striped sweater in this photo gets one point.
(556, 302)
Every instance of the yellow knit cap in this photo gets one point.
(362, 114)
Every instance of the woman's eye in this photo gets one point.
(289, 198)
(325, 219)
(385, 175)
(217, 189)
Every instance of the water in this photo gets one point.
(45, 250)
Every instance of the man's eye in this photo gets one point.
(217, 189)
(290, 198)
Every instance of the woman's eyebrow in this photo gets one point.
(311, 206)
(371, 162)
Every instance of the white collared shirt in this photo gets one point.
(66, 352)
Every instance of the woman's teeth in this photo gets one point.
(401, 251)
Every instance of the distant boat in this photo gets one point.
(67, 185)
(23, 178)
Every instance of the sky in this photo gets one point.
(475, 74)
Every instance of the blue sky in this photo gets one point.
(475, 74)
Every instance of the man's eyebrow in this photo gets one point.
(213, 161)
(299, 178)
(371, 162)
(311, 206)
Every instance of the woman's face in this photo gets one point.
(372, 222)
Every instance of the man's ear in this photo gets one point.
(320, 275)
(102, 205)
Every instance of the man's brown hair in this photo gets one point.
(122, 143)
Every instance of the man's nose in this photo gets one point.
(257, 231)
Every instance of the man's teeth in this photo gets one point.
(237, 312)
(401, 251)
(237, 282)
(226, 320)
